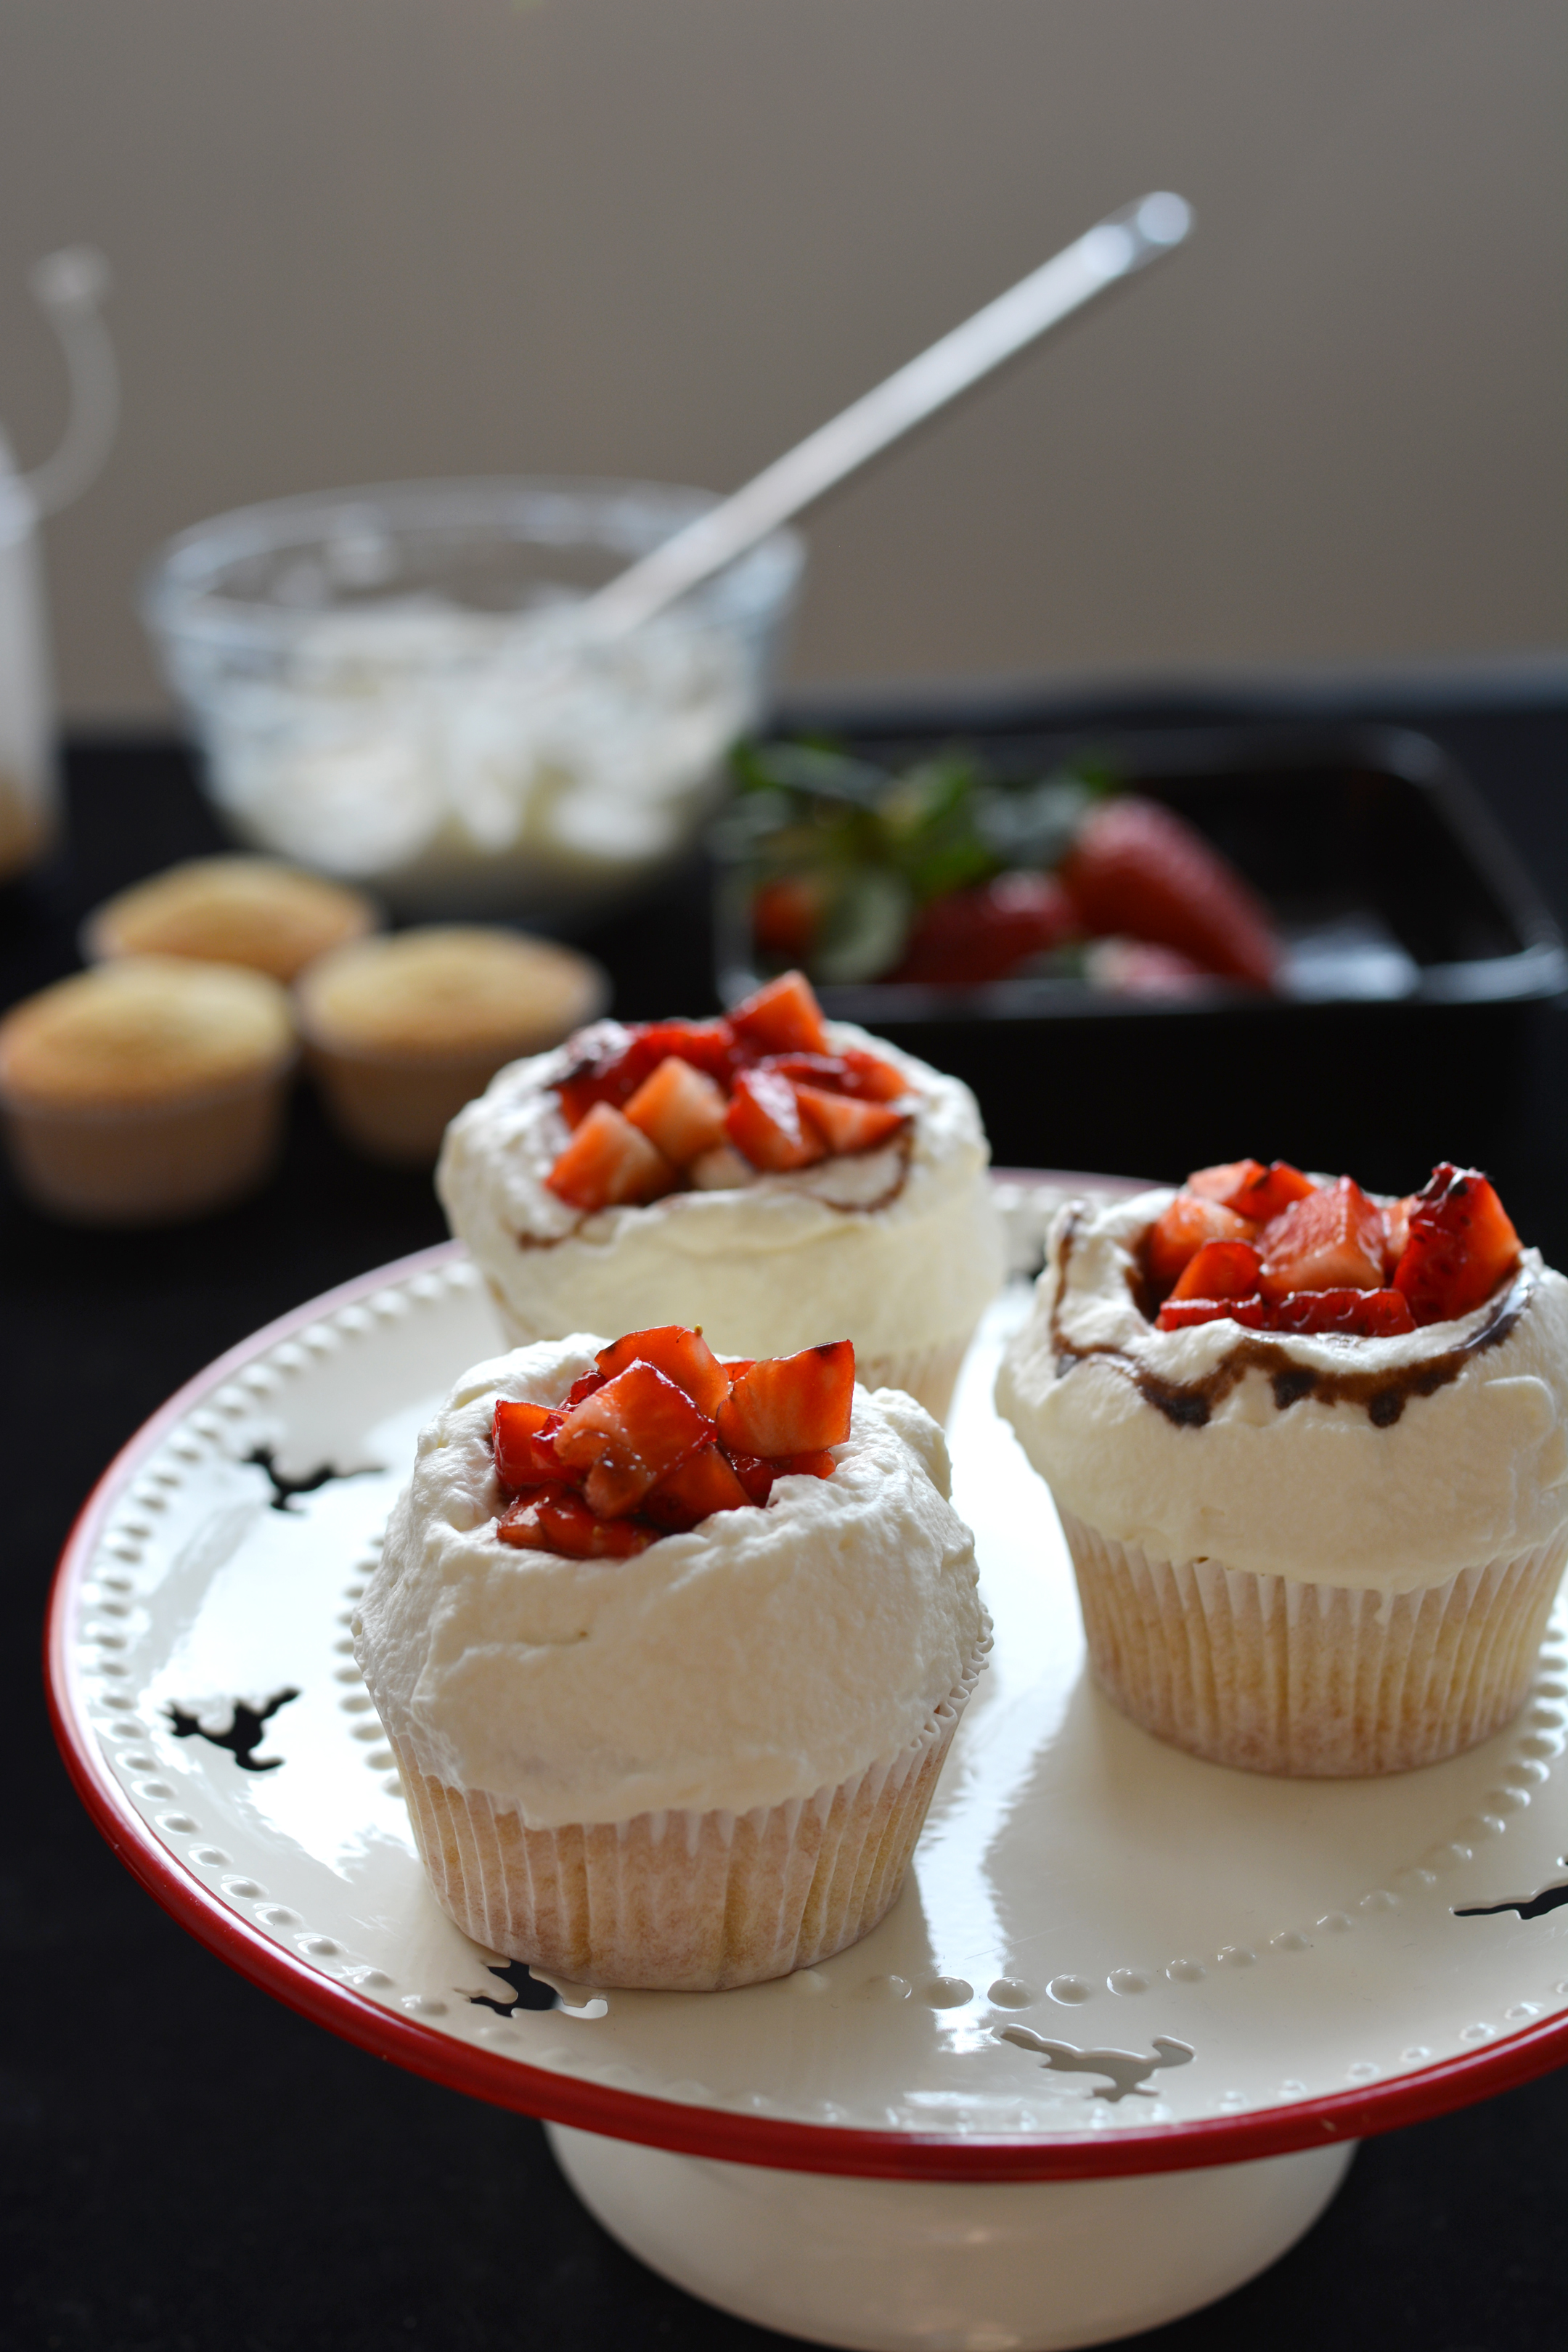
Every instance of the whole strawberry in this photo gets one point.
(1138, 871)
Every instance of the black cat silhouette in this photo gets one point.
(526, 1993)
(1529, 1907)
(285, 1488)
(243, 1736)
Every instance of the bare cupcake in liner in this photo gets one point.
(699, 1766)
(1318, 1555)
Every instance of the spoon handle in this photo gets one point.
(1114, 249)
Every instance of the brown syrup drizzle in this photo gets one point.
(1190, 1403)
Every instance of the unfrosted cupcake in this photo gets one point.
(669, 1691)
(401, 1031)
(258, 911)
(1309, 1453)
(147, 1090)
(768, 1175)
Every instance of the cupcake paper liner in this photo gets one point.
(682, 1901)
(1311, 1681)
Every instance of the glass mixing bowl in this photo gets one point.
(385, 685)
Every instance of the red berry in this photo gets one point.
(694, 1490)
(519, 1438)
(1251, 1189)
(1219, 1270)
(781, 1018)
(978, 935)
(554, 1518)
(846, 1125)
(1177, 1237)
(629, 1435)
(682, 1356)
(1365, 1314)
(1136, 870)
(1178, 1313)
(679, 1109)
(791, 1404)
(609, 1162)
(1331, 1239)
(764, 1123)
(1461, 1245)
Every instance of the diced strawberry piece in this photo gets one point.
(755, 1475)
(679, 1109)
(704, 1483)
(819, 1465)
(1396, 1232)
(1177, 1237)
(609, 1162)
(520, 1439)
(975, 934)
(764, 1123)
(1250, 1189)
(1220, 1270)
(791, 1404)
(1178, 1313)
(555, 1518)
(1365, 1314)
(846, 1125)
(584, 1386)
(708, 1045)
(629, 1435)
(682, 1356)
(1331, 1239)
(609, 1064)
(1461, 1245)
(1137, 870)
(781, 1018)
(873, 1079)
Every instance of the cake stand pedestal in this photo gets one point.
(1106, 2056)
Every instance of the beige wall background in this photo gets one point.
(357, 239)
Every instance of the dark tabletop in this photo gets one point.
(187, 2165)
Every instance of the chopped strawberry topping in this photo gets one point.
(679, 1109)
(633, 1451)
(781, 1018)
(1178, 1313)
(609, 1162)
(710, 1046)
(607, 1067)
(682, 1356)
(764, 1123)
(791, 1404)
(1251, 1189)
(1331, 1239)
(1220, 1270)
(704, 1483)
(874, 1079)
(846, 1125)
(629, 1435)
(521, 1440)
(556, 1518)
(1175, 1237)
(1366, 1314)
(1461, 1245)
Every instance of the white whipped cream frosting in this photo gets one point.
(782, 1262)
(1316, 1492)
(768, 1654)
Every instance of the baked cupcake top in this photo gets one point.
(245, 910)
(447, 990)
(144, 1030)
(765, 1653)
(724, 1155)
(1329, 1421)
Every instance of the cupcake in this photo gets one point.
(401, 1031)
(245, 911)
(767, 1175)
(670, 1653)
(147, 1090)
(1308, 1449)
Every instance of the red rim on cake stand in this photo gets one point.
(1108, 2056)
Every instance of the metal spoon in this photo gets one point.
(1114, 249)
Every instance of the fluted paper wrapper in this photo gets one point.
(683, 1901)
(928, 1374)
(1311, 1681)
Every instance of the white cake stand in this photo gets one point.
(1107, 2057)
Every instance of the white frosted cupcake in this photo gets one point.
(766, 1176)
(683, 1759)
(1317, 1500)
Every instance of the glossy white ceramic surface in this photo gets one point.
(1232, 1945)
(949, 2266)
